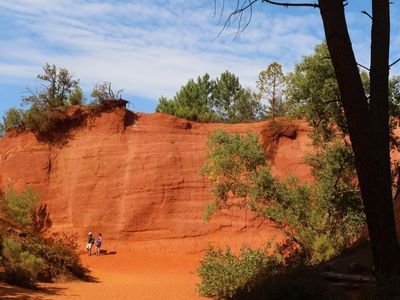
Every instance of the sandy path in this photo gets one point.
(125, 275)
(145, 270)
(137, 276)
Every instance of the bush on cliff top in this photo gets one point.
(48, 107)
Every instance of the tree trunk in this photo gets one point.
(368, 124)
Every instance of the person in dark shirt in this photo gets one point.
(90, 243)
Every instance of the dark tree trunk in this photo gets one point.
(368, 123)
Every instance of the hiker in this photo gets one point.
(98, 244)
(90, 243)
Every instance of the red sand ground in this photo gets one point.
(125, 275)
(135, 275)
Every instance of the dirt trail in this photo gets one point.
(128, 275)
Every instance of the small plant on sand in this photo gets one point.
(58, 257)
(226, 275)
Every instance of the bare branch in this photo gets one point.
(367, 14)
(237, 14)
(395, 62)
(243, 5)
(331, 101)
(362, 66)
(285, 4)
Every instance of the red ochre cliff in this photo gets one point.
(137, 177)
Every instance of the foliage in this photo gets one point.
(231, 102)
(57, 89)
(47, 105)
(191, 102)
(223, 273)
(394, 93)
(76, 97)
(230, 156)
(207, 100)
(57, 252)
(21, 267)
(21, 206)
(322, 218)
(40, 120)
(228, 275)
(13, 118)
(103, 93)
(313, 93)
(270, 86)
(59, 255)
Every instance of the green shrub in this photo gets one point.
(103, 93)
(58, 256)
(21, 267)
(226, 275)
(12, 119)
(322, 218)
(76, 96)
(42, 120)
(21, 206)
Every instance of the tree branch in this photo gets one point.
(242, 6)
(285, 4)
(395, 62)
(331, 101)
(367, 14)
(360, 65)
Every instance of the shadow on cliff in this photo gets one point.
(275, 130)
(60, 124)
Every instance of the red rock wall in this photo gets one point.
(141, 182)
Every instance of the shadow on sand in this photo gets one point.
(105, 252)
(14, 292)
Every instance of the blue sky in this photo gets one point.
(150, 48)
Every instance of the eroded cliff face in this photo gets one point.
(140, 180)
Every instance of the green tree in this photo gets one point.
(270, 86)
(231, 102)
(103, 92)
(313, 93)
(207, 100)
(322, 218)
(76, 96)
(191, 102)
(13, 118)
(367, 118)
(58, 91)
(21, 267)
(394, 94)
(57, 88)
(21, 207)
